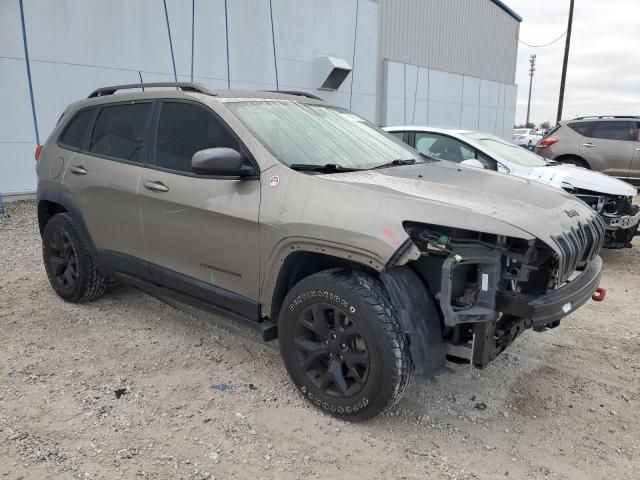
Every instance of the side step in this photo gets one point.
(266, 329)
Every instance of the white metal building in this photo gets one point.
(438, 62)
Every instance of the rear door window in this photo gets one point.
(119, 131)
(613, 131)
(443, 147)
(583, 128)
(75, 132)
(184, 129)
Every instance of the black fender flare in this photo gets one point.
(72, 208)
(418, 315)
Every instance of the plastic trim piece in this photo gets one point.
(418, 315)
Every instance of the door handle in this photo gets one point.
(78, 170)
(637, 149)
(588, 145)
(156, 186)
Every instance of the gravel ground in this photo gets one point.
(124, 387)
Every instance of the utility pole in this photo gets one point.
(565, 61)
(532, 70)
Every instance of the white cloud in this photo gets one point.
(603, 77)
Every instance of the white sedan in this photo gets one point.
(526, 137)
(610, 197)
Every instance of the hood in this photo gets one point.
(581, 178)
(449, 194)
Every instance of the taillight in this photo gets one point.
(546, 142)
(38, 152)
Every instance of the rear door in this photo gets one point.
(609, 147)
(102, 179)
(201, 232)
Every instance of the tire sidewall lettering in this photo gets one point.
(330, 407)
(327, 295)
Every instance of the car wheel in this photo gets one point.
(343, 346)
(68, 262)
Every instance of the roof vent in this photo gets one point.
(331, 72)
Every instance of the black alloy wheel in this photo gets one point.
(332, 350)
(62, 260)
(67, 259)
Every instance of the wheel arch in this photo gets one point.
(569, 156)
(46, 210)
(300, 258)
(51, 202)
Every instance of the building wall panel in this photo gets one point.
(444, 99)
(469, 37)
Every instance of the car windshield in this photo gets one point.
(302, 134)
(508, 151)
(521, 131)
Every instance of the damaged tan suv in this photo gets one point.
(367, 260)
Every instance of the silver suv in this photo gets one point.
(609, 145)
(364, 258)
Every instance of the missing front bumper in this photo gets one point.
(621, 230)
(553, 306)
(521, 312)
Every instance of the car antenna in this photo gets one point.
(141, 82)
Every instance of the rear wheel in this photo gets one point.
(343, 346)
(68, 262)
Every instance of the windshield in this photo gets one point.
(508, 151)
(304, 134)
(521, 131)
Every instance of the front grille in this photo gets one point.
(579, 246)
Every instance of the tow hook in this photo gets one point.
(599, 294)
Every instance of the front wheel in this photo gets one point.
(343, 346)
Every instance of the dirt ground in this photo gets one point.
(559, 404)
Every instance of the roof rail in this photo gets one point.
(296, 93)
(606, 116)
(184, 86)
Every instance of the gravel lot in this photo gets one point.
(559, 404)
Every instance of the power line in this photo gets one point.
(544, 45)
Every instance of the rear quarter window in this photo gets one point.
(74, 134)
(119, 131)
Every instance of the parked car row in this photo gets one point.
(368, 260)
(610, 197)
(526, 137)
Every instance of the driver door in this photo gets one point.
(201, 232)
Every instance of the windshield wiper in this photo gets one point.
(395, 163)
(326, 168)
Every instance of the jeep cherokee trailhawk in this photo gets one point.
(366, 259)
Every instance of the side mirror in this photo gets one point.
(472, 162)
(221, 162)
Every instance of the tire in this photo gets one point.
(68, 262)
(577, 161)
(360, 367)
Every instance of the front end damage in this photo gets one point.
(619, 214)
(487, 289)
